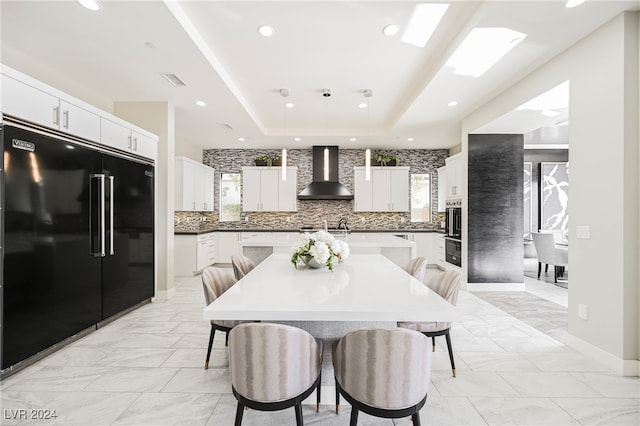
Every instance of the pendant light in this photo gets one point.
(367, 153)
(284, 93)
(326, 93)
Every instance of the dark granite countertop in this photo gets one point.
(393, 231)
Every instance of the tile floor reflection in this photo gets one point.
(146, 368)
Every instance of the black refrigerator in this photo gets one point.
(77, 237)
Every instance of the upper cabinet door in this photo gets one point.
(251, 199)
(115, 135)
(399, 190)
(144, 145)
(381, 189)
(24, 101)
(79, 121)
(362, 191)
(269, 189)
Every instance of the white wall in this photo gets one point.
(603, 73)
(159, 118)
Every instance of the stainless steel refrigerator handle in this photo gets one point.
(111, 185)
(101, 252)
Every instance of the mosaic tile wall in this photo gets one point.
(313, 212)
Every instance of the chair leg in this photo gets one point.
(239, 413)
(416, 419)
(539, 269)
(213, 333)
(555, 274)
(337, 399)
(546, 268)
(318, 390)
(354, 416)
(299, 414)
(226, 339)
(453, 364)
(433, 343)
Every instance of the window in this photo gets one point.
(230, 197)
(420, 197)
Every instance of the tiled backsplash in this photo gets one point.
(313, 212)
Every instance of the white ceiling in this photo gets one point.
(103, 57)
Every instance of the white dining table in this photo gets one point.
(365, 287)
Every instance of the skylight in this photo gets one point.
(423, 22)
(482, 49)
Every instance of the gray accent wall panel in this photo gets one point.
(495, 209)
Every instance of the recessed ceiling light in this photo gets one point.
(410, 139)
(452, 103)
(265, 30)
(289, 105)
(390, 30)
(201, 103)
(573, 3)
(362, 105)
(423, 23)
(353, 139)
(242, 139)
(482, 49)
(90, 4)
(297, 139)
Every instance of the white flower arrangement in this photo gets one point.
(322, 246)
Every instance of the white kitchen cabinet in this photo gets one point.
(228, 245)
(264, 190)
(30, 103)
(122, 137)
(454, 176)
(442, 189)
(426, 246)
(193, 185)
(193, 253)
(387, 191)
(29, 99)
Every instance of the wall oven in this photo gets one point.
(454, 218)
(453, 251)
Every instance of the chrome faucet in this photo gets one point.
(342, 223)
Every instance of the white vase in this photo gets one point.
(311, 262)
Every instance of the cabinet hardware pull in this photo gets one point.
(111, 185)
(135, 144)
(65, 119)
(129, 141)
(56, 116)
(100, 210)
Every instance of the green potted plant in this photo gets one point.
(267, 160)
(384, 159)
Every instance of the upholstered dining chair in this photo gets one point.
(447, 286)
(417, 267)
(241, 265)
(384, 372)
(273, 367)
(550, 254)
(215, 282)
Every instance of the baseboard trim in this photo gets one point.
(166, 294)
(495, 287)
(620, 366)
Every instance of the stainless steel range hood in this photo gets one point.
(319, 188)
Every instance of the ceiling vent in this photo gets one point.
(225, 126)
(173, 79)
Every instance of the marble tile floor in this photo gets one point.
(146, 368)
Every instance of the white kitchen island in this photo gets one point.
(398, 250)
